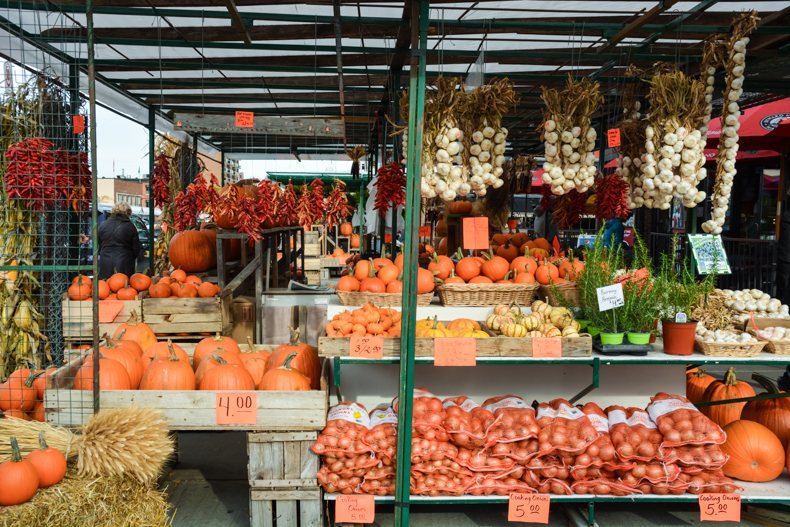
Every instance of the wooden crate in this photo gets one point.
(171, 316)
(312, 264)
(328, 262)
(78, 318)
(282, 460)
(490, 347)
(286, 508)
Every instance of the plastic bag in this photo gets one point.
(681, 423)
(424, 450)
(634, 435)
(466, 421)
(383, 434)
(564, 428)
(439, 484)
(345, 431)
(515, 420)
(603, 487)
(334, 483)
(427, 416)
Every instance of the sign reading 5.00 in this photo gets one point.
(719, 508)
(528, 508)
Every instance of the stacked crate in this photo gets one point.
(312, 257)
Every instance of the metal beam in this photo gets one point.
(635, 24)
(339, 58)
(237, 22)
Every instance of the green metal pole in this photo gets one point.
(362, 244)
(419, 44)
(151, 204)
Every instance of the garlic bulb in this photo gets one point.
(443, 174)
(487, 157)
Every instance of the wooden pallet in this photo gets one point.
(286, 508)
(174, 316)
(282, 460)
(490, 347)
(78, 318)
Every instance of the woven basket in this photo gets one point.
(568, 291)
(351, 298)
(778, 347)
(486, 294)
(730, 349)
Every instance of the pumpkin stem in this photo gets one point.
(172, 351)
(372, 270)
(729, 377)
(294, 336)
(459, 253)
(133, 318)
(769, 385)
(287, 363)
(217, 336)
(42, 441)
(218, 358)
(32, 377)
(16, 455)
(435, 322)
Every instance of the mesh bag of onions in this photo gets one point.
(439, 484)
(696, 458)
(467, 422)
(603, 487)
(347, 425)
(634, 435)
(515, 420)
(334, 483)
(499, 485)
(481, 461)
(681, 423)
(519, 451)
(601, 453)
(708, 481)
(383, 434)
(564, 428)
(427, 416)
(379, 481)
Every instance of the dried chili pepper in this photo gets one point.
(611, 198)
(568, 209)
(337, 205)
(303, 210)
(161, 181)
(288, 206)
(390, 187)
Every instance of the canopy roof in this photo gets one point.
(344, 61)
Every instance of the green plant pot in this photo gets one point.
(638, 338)
(611, 338)
(583, 324)
(593, 331)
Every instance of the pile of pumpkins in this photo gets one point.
(382, 275)
(543, 321)
(20, 478)
(121, 287)
(758, 431)
(346, 229)
(178, 284)
(460, 327)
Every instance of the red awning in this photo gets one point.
(756, 124)
(742, 155)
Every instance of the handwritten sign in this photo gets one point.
(454, 351)
(78, 123)
(528, 508)
(366, 347)
(610, 297)
(237, 408)
(719, 508)
(425, 230)
(475, 233)
(709, 254)
(355, 509)
(245, 119)
(543, 347)
(613, 137)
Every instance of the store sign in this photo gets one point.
(613, 137)
(366, 347)
(237, 408)
(546, 347)
(475, 233)
(610, 297)
(709, 254)
(355, 509)
(454, 351)
(719, 508)
(245, 119)
(528, 508)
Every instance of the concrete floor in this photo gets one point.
(208, 487)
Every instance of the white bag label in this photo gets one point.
(508, 402)
(658, 408)
(382, 415)
(599, 422)
(351, 412)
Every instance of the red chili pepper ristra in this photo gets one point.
(337, 205)
(161, 181)
(390, 187)
(611, 198)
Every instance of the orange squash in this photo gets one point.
(285, 377)
(126, 293)
(112, 375)
(163, 350)
(425, 281)
(140, 281)
(441, 266)
(192, 251)
(495, 267)
(459, 207)
(104, 290)
(728, 388)
(346, 229)
(159, 290)
(547, 273)
(207, 290)
(696, 383)
(218, 357)
(508, 251)
(208, 345)
(179, 275)
(225, 376)
(348, 283)
(137, 331)
(81, 289)
(389, 273)
(117, 282)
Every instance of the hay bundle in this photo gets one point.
(101, 502)
(132, 441)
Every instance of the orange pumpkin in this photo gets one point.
(188, 291)
(140, 281)
(179, 275)
(163, 350)
(396, 286)
(442, 247)
(537, 252)
(389, 273)
(459, 207)
(547, 273)
(19, 480)
(348, 283)
(696, 383)
(112, 375)
(542, 243)
(441, 266)
(774, 414)
(453, 279)
(159, 290)
(378, 263)
(728, 388)
(519, 238)
(217, 357)
(285, 378)
(207, 290)
(18, 391)
(372, 285)
(500, 238)
(169, 373)
(81, 289)
(495, 267)
(126, 293)
(508, 251)
(425, 281)
(363, 269)
(104, 290)
(225, 376)
(117, 281)
(756, 454)
(192, 251)
(137, 331)
(128, 358)
(346, 229)
(209, 345)
(355, 241)
(468, 267)
(523, 278)
(194, 280)
(481, 280)
(306, 360)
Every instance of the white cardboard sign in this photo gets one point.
(610, 297)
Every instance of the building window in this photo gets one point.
(131, 199)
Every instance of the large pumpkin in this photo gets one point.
(697, 382)
(306, 360)
(226, 376)
(459, 207)
(209, 345)
(728, 388)
(193, 251)
(285, 378)
(112, 375)
(756, 454)
(171, 373)
(774, 414)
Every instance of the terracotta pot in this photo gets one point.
(679, 337)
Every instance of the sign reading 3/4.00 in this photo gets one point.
(237, 408)
(366, 347)
(719, 508)
(528, 508)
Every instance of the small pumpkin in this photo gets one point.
(179, 275)
(187, 291)
(128, 357)
(531, 322)
(728, 388)
(81, 289)
(306, 360)
(508, 251)
(160, 289)
(453, 279)
(346, 229)
(117, 281)
(104, 289)
(18, 391)
(495, 322)
(50, 463)
(162, 350)
(348, 283)
(285, 378)
(225, 376)
(514, 330)
(441, 266)
(210, 361)
(126, 293)
(468, 267)
(207, 290)
(774, 414)
(436, 329)
(547, 273)
(462, 324)
(756, 454)
(140, 281)
(495, 267)
(425, 281)
(208, 345)
(355, 241)
(18, 478)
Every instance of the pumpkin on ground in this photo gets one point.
(728, 388)
(18, 478)
(756, 454)
(285, 377)
(50, 463)
(774, 414)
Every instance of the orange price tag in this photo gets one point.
(245, 119)
(78, 122)
(237, 408)
(528, 508)
(543, 347)
(475, 233)
(719, 508)
(366, 347)
(425, 230)
(454, 351)
(613, 137)
(387, 238)
(355, 509)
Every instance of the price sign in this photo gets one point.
(610, 297)
(366, 347)
(245, 119)
(475, 233)
(387, 238)
(454, 351)
(425, 230)
(543, 347)
(613, 137)
(528, 508)
(78, 122)
(719, 508)
(237, 408)
(355, 509)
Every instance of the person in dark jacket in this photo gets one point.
(119, 243)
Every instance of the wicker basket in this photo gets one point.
(567, 294)
(778, 347)
(730, 349)
(351, 298)
(486, 294)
